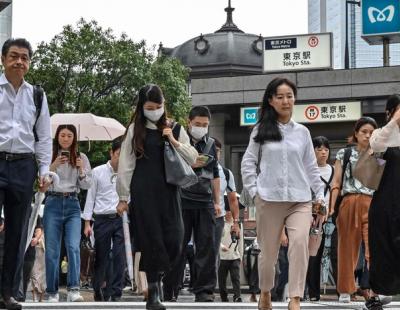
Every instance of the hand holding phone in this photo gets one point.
(205, 158)
(65, 156)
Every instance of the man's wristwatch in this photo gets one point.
(236, 220)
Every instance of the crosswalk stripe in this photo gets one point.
(194, 306)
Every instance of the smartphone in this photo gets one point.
(65, 153)
(205, 158)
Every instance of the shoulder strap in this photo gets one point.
(208, 146)
(258, 170)
(328, 183)
(176, 129)
(227, 177)
(346, 161)
(38, 100)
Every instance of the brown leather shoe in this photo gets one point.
(294, 303)
(253, 297)
(264, 303)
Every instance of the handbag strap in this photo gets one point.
(176, 130)
(258, 170)
(208, 146)
(346, 161)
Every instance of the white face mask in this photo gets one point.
(198, 132)
(153, 115)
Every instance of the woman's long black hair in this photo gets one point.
(73, 148)
(153, 93)
(268, 129)
(391, 105)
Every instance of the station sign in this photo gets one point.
(311, 113)
(327, 112)
(248, 116)
(380, 19)
(300, 52)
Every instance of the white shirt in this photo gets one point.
(224, 187)
(102, 197)
(288, 168)
(226, 241)
(69, 177)
(326, 172)
(17, 117)
(387, 136)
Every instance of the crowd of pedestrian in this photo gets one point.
(308, 212)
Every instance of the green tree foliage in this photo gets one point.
(88, 69)
(171, 76)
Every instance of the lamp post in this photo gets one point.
(346, 44)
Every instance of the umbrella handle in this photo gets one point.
(52, 176)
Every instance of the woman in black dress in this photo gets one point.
(155, 211)
(384, 213)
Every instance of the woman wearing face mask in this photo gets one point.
(155, 211)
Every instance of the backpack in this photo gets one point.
(38, 94)
(226, 201)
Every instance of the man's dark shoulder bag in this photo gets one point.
(38, 94)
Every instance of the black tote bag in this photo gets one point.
(177, 171)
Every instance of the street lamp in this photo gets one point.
(346, 44)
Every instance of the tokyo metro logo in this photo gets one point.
(376, 15)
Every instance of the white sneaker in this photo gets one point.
(344, 298)
(53, 298)
(74, 296)
(385, 300)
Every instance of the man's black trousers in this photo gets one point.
(107, 230)
(202, 223)
(233, 267)
(16, 191)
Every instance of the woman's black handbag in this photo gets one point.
(177, 171)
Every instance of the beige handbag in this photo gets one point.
(369, 169)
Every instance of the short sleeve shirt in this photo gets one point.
(224, 187)
(350, 184)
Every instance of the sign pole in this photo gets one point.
(386, 52)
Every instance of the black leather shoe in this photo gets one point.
(12, 304)
(116, 298)
(98, 296)
(153, 300)
(204, 297)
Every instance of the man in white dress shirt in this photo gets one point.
(101, 205)
(25, 148)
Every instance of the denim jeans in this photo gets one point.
(62, 215)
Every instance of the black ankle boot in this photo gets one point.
(160, 286)
(153, 301)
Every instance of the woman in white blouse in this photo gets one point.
(284, 152)
(62, 212)
(155, 210)
(384, 212)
